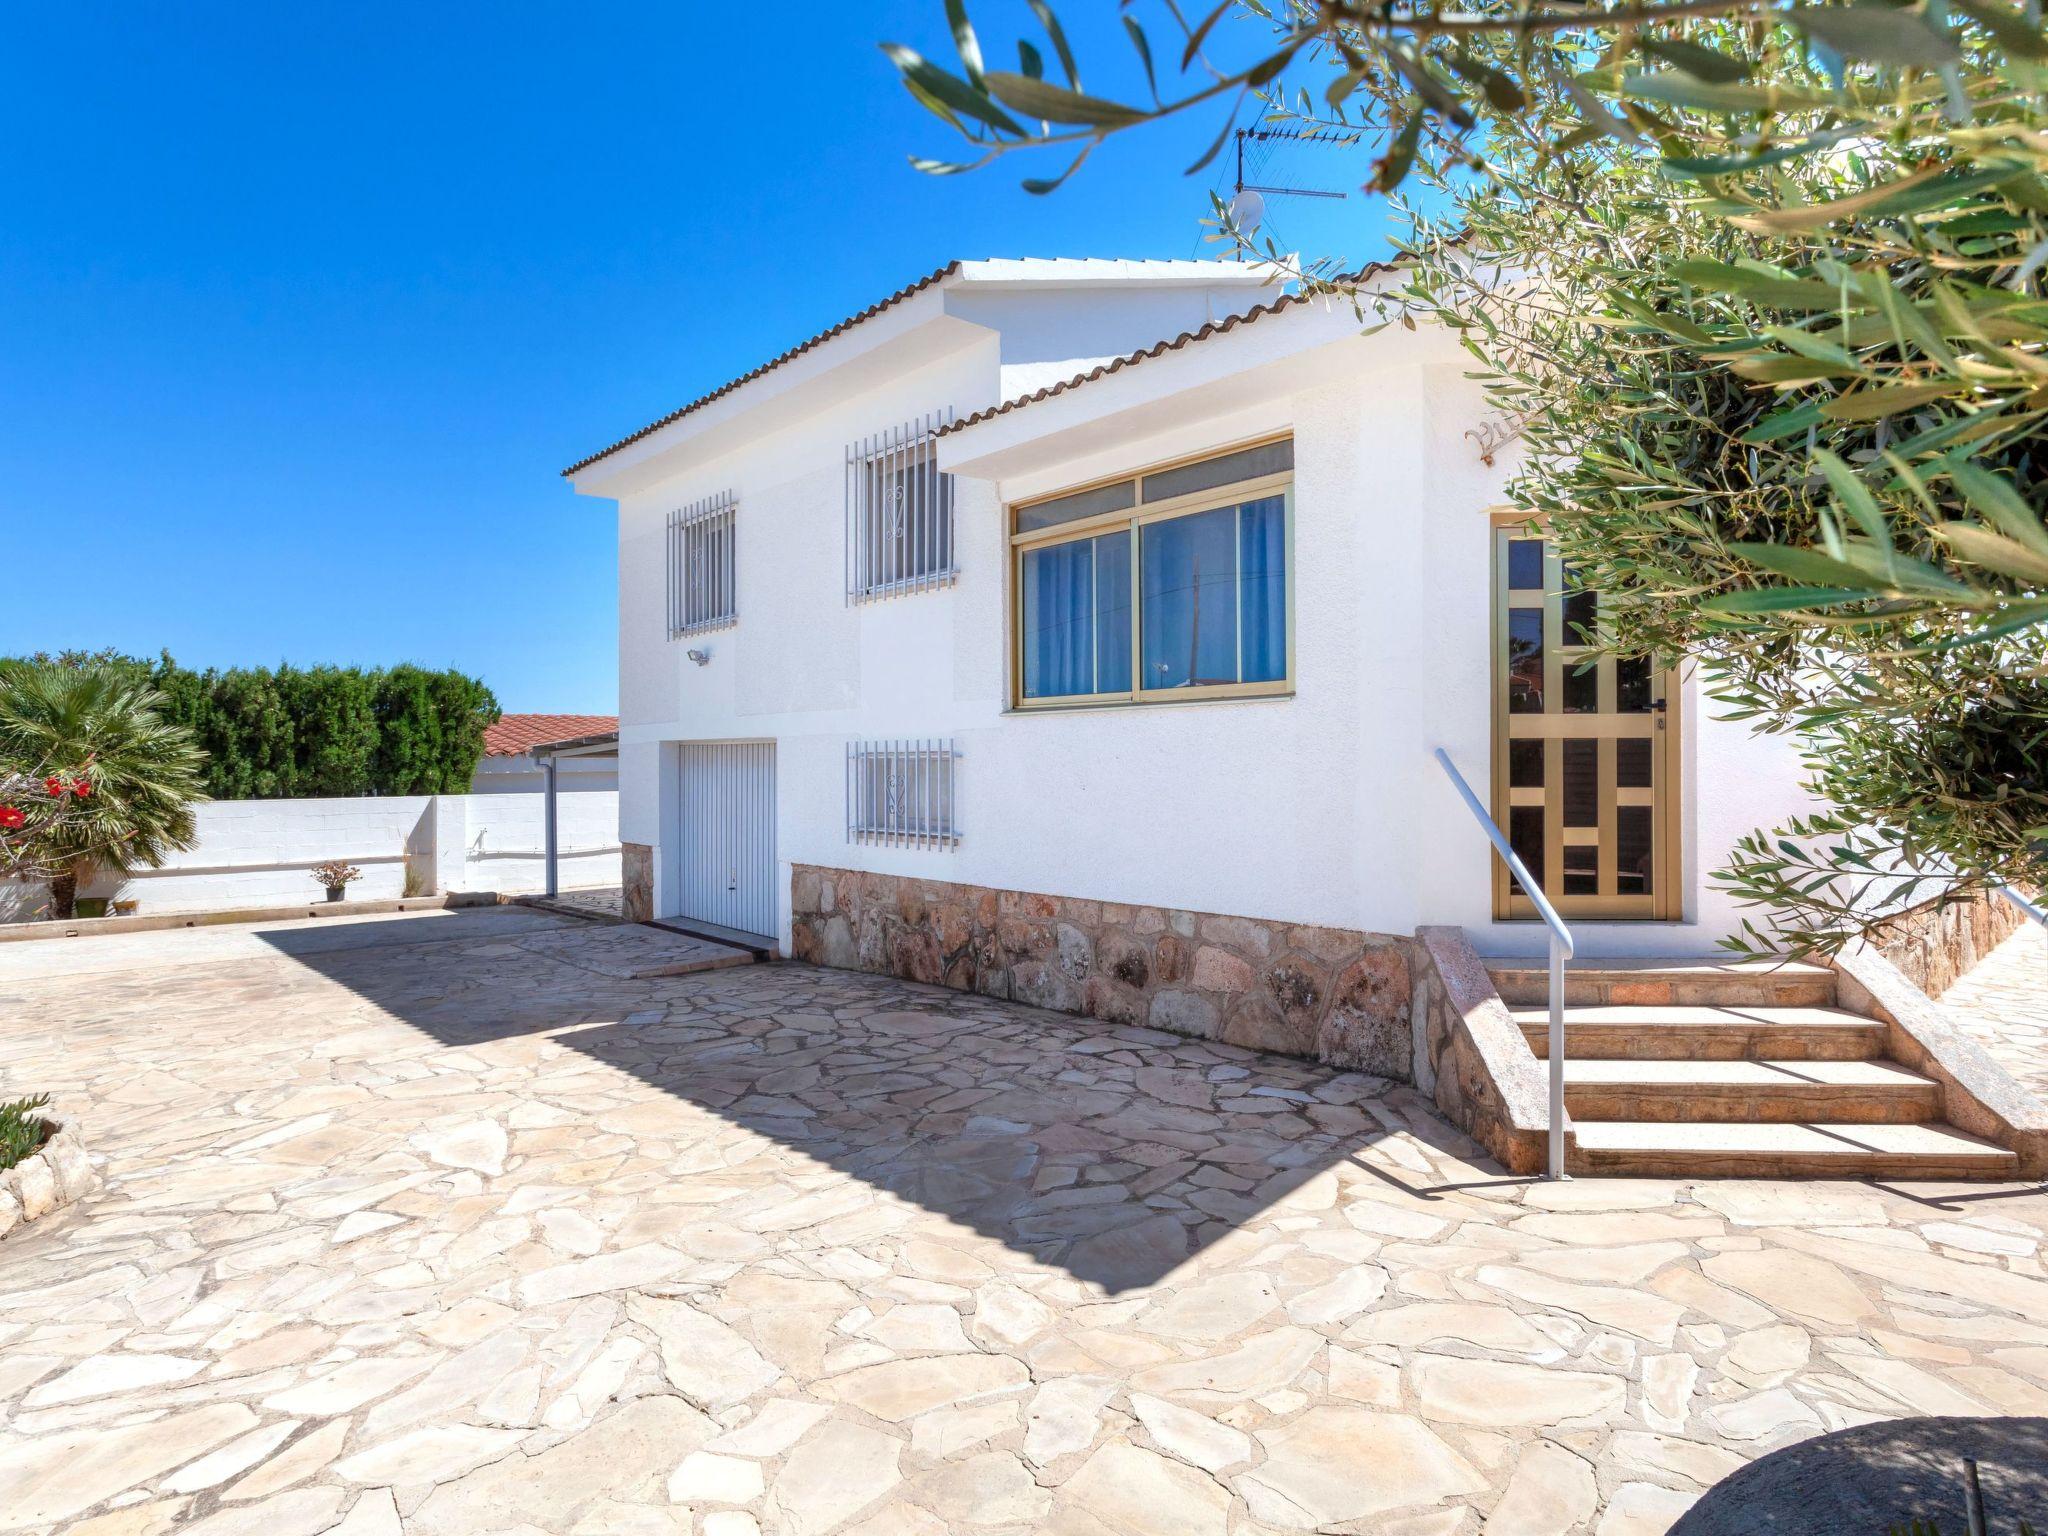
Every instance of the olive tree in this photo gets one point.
(1760, 287)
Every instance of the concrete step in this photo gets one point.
(1664, 982)
(1859, 1092)
(1695, 1032)
(1695, 1149)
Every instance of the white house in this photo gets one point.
(1273, 539)
(1083, 632)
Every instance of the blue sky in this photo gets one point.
(302, 309)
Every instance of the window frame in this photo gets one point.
(931, 765)
(719, 508)
(909, 450)
(1134, 519)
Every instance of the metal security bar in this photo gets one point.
(899, 512)
(901, 793)
(702, 565)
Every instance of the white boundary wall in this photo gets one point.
(261, 852)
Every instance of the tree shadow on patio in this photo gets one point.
(1113, 1153)
(1884, 1477)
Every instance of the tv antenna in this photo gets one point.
(1258, 173)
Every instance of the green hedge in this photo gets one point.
(280, 733)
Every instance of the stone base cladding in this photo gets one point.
(1331, 994)
(1935, 945)
(636, 882)
(1475, 1061)
(56, 1174)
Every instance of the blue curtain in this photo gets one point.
(1059, 606)
(1112, 613)
(1190, 616)
(1262, 586)
(1077, 617)
(1202, 575)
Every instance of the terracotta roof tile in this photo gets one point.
(773, 363)
(1160, 349)
(514, 734)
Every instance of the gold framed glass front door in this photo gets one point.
(1584, 749)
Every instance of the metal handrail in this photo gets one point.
(1561, 950)
(2029, 908)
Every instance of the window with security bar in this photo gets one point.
(899, 512)
(703, 565)
(902, 793)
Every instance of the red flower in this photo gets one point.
(82, 788)
(11, 817)
(54, 787)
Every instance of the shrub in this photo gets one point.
(22, 1129)
(283, 733)
(127, 801)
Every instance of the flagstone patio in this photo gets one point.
(2004, 1004)
(447, 1225)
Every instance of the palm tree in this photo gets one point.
(142, 776)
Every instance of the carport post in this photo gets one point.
(548, 817)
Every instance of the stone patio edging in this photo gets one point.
(1474, 1059)
(152, 922)
(1977, 1094)
(54, 1176)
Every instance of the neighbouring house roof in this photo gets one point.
(580, 746)
(1160, 348)
(514, 734)
(1001, 271)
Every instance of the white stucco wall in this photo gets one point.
(256, 853)
(519, 773)
(1325, 807)
(505, 835)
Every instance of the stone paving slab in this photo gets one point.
(634, 952)
(599, 903)
(108, 954)
(2003, 1003)
(467, 1236)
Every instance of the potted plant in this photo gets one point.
(336, 875)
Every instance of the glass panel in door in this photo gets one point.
(1583, 749)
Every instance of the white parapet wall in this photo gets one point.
(505, 836)
(253, 853)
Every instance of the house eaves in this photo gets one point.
(1159, 349)
(906, 291)
(1000, 273)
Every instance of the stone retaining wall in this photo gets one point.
(1936, 945)
(50, 1179)
(1476, 1063)
(1977, 1094)
(1332, 994)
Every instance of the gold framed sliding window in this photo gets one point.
(1171, 584)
